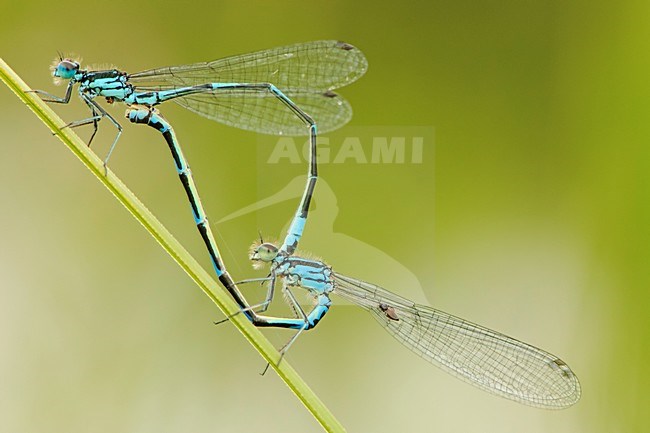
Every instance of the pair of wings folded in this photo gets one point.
(306, 73)
(478, 355)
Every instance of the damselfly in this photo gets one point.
(487, 359)
(285, 90)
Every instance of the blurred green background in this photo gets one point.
(528, 214)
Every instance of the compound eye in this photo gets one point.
(66, 69)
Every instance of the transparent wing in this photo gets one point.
(263, 112)
(306, 73)
(492, 361)
(314, 67)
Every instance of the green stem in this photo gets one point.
(217, 294)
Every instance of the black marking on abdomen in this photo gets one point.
(172, 146)
(204, 235)
(186, 184)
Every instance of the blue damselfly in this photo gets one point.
(480, 356)
(286, 90)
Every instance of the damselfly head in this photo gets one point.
(263, 252)
(64, 69)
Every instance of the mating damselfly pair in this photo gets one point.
(289, 90)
